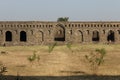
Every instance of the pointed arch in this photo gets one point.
(8, 36)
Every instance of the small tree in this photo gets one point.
(63, 19)
(95, 59)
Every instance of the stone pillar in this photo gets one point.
(117, 36)
(103, 36)
(69, 35)
(15, 37)
(87, 37)
(90, 36)
(1, 37)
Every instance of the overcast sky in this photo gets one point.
(50, 10)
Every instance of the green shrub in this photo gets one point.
(95, 59)
(69, 46)
(51, 47)
(4, 52)
(34, 58)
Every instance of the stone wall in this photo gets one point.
(39, 33)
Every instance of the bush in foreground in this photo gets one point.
(96, 59)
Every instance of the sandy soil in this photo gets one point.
(60, 62)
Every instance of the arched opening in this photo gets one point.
(40, 36)
(95, 36)
(119, 32)
(111, 36)
(81, 36)
(23, 36)
(59, 33)
(88, 32)
(8, 36)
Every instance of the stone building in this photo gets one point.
(38, 33)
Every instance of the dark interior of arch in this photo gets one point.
(111, 36)
(23, 36)
(60, 33)
(8, 36)
(95, 36)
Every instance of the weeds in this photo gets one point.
(95, 59)
(34, 58)
(3, 69)
(69, 45)
(51, 47)
(4, 52)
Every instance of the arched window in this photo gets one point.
(95, 36)
(59, 33)
(111, 36)
(8, 36)
(23, 36)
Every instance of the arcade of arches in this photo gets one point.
(37, 33)
(60, 36)
(8, 36)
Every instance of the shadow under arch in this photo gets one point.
(8, 36)
(23, 36)
(111, 36)
(95, 36)
(59, 33)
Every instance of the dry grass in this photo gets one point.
(61, 62)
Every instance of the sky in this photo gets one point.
(50, 10)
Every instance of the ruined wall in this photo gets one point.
(39, 33)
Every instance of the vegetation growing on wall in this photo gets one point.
(63, 19)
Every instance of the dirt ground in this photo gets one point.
(60, 62)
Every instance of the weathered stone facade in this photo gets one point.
(37, 32)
